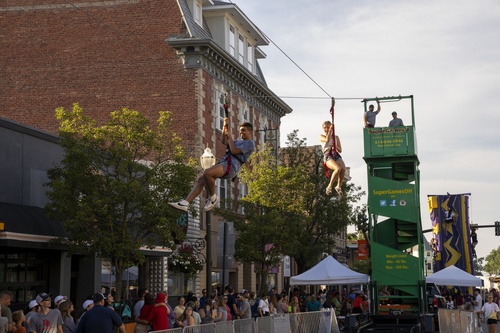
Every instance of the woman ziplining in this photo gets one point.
(331, 149)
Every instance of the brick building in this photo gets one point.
(184, 56)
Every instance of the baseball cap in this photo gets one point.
(32, 304)
(42, 297)
(97, 297)
(243, 291)
(59, 299)
(87, 303)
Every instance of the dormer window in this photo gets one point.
(232, 42)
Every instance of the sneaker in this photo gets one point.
(180, 205)
(211, 202)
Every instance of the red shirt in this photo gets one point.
(159, 316)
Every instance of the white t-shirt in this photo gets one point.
(479, 301)
(264, 305)
(490, 308)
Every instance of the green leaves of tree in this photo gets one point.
(111, 189)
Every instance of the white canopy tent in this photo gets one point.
(329, 271)
(454, 276)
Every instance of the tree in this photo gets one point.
(286, 209)
(493, 262)
(262, 239)
(111, 189)
(320, 218)
(478, 264)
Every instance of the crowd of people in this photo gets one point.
(47, 315)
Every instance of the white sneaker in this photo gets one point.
(180, 205)
(211, 202)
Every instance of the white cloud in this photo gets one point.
(445, 53)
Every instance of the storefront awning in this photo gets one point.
(26, 226)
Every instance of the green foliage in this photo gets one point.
(478, 264)
(111, 189)
(286, 206)
(493, 262)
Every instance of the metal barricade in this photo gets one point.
(170, 330)
(264, 324)
(224, 327)
(281, 323)
(245, 326)
(452, 321)
(203, 328)
(305, 322)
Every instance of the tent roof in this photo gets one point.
(453, 276)
(329, 271)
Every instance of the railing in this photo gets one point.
(307, 322)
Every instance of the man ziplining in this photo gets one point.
(237, 153)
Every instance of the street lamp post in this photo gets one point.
(207, 160)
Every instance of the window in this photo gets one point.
(222, 189)
(250, 57)
(23, 273)
(243, 192)
(263, 124)
(244, 112)
(232, 42)
(241, 49)
(197, 13)
(219, 108)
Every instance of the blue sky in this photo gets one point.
(444, 53)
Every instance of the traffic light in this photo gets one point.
(497, 228)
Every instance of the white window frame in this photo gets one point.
(221, 189)
(243, 191)
(242, 42)
(263, 123)
(219, 108)
(232, 40)
(244, 112)
(250, 57)
(198, 18)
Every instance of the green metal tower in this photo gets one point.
(395, 228)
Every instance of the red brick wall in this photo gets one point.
(104, 57)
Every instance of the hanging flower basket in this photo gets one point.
(185, 261)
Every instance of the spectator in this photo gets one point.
(207, 314)
(100, 319)
(179, 309)
(46, 320)
(68, 325)
(158, 314)
(264, 307)
(186, 318)
(6, 298)
(231, 302)
(87, 305)
(202, 298)
(19, 318)
(295, 305)
(313, 304)
(140, 302)
(58, 300)
(33, 309)
(221, 309)
(142, 325)
(244, 311)
(196, 315)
